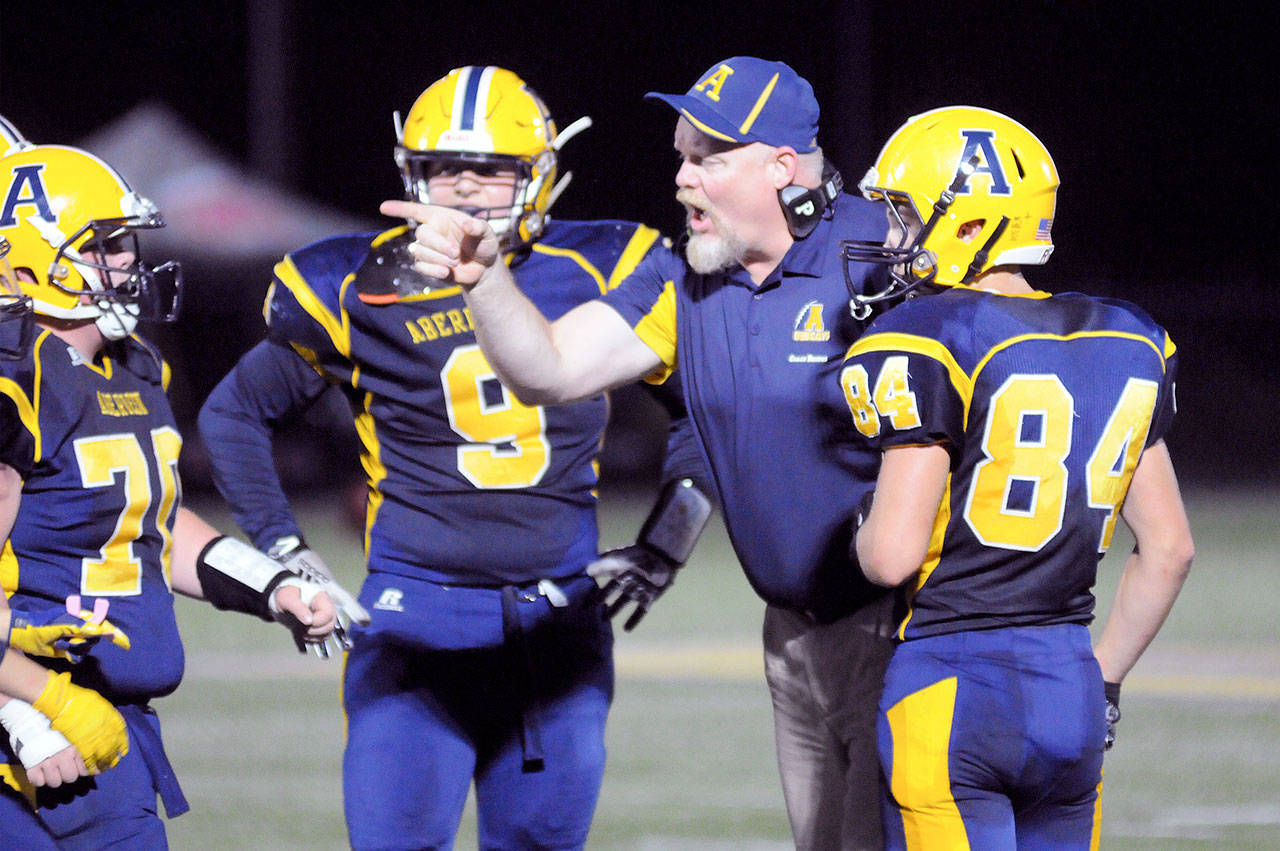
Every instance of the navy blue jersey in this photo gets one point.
(1045, 404)
(97, 448)
(758, 366)
(466, 483)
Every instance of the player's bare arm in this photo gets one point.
(589, 349)
(894, 538)
(1155, 571)
(192, 538)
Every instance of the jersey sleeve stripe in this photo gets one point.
(309, 356)
(591, 270)
(1169, 347)
(371, 459)
(893, 341)
(641, 241)
(934, 554)
(388, 235)
(9, 569)
(1080, 335)
(657, 329)
(287, 273)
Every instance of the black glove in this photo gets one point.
(635, 574)
(641, 572)
(1112, 691)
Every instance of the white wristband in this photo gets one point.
(243, 563)
(30, 734)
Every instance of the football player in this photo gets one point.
(487, 657)
(92, 503)
(95, 732)
(756, 315)
(1015, 426)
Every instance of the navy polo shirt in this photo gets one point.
(760, 369)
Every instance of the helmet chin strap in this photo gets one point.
(980, 257)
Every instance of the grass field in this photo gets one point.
(255, 732)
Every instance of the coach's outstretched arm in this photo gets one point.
(589, 349)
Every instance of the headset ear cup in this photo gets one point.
(802, 208)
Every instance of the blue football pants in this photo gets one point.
(423, 722)
(993, 739)
(114, 809)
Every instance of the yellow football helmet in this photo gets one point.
(15, 310)
(64, 211)
(969, 189)
(10, 138)
(487, 119)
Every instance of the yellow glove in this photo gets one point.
(87, 719)
(66, 635)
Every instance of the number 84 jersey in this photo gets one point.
(1045, 404)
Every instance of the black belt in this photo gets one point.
(524, 680)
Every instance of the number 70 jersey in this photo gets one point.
(1045, 404)
(97, 448)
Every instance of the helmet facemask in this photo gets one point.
(514, 224)
(123, 295)
(911, 263)
(17, 327)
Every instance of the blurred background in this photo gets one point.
(259, 125)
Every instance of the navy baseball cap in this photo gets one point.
(745, 99)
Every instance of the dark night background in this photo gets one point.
(1158, 121)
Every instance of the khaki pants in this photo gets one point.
(825, 680)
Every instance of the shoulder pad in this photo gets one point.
(387, 274)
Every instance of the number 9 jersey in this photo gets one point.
(467, 484)
(1040, 458)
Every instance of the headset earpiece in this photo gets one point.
(803, 207)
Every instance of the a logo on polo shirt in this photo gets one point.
(808, 326)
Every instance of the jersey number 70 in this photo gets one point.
(106, 460)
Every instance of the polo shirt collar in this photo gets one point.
(805, 256)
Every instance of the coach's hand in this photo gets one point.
(449, 244)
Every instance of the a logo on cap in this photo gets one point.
(711, 85)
